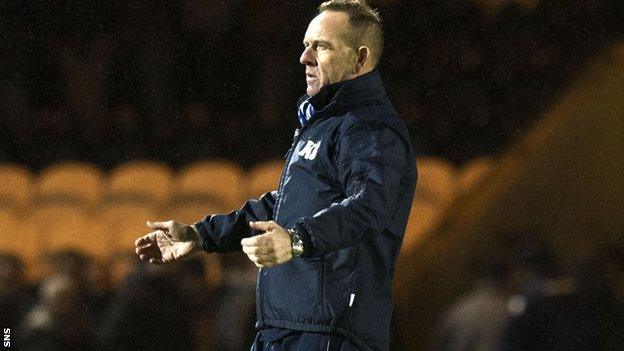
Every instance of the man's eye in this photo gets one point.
(321, 47)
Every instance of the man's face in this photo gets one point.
(327, 56)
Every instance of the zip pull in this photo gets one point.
(296, 134)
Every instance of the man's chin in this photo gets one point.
(312, 90)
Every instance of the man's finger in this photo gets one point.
(148, 239)
(258, 240)
(141, 241)
(144, 240)
(262, 225)
(156, 261)
(260, 260)
(251, 249)
(160, 225)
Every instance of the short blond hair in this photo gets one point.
(365, 24)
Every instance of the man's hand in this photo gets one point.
(268, 249)
(169, 242)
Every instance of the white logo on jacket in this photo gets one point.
(310, 150)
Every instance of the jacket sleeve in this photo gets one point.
(372, 160)
(223, 232)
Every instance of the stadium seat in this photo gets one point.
(16, 237)
(16, 186)
(435, 191)
(143, 180)
(59, 226)
(74, 181)
(423, 219)
(220, 180)
(473, 172)
(192, 210)
(264, 178)
(436, 182)
(124, 222)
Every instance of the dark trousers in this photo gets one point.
(302, 341)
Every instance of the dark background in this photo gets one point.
(109, 81)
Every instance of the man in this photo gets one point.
(327, 240)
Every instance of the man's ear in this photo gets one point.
(363, 53)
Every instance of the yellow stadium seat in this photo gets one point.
(17, 237)
(124, 222)
(144, 180)
(423, 219)
(435, 191)
(60, 226)
(264, 178)
(16, 186)
(220, 180)
(71, 180)
(436, 182)
(192, 211)
(473, 172)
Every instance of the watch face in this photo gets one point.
(296, 244)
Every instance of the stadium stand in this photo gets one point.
(220, 181)
(264, 178)
(474, 172)
(16, 187)
(123, 221)
(78, 181)
(61, 225)
(141, 180)
(16, 237)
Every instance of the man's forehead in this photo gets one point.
(327, 25)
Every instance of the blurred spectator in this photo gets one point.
(590, 318)
(58, 321)
(68, 262)
(478, 320)
(544, 313)
(235, 314)
(89, 275)
(203, 303)
(15, 296)
(120, 266)
(149, 312)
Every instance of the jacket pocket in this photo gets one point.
(321, 281)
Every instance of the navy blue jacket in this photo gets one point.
(347, 188)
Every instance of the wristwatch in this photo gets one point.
(296, 243)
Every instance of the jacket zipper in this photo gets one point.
(277, 205)
(280, 188)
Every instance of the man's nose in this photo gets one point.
(307, 58)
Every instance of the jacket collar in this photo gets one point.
(346, 94)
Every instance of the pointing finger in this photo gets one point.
(262, 225)
(160, 225)
(258, 240)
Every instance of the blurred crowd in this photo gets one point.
(523, 299)
(520, 301)
(124, 304)
(109, 81)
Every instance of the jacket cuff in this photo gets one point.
(302, 229)
(207, 243)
